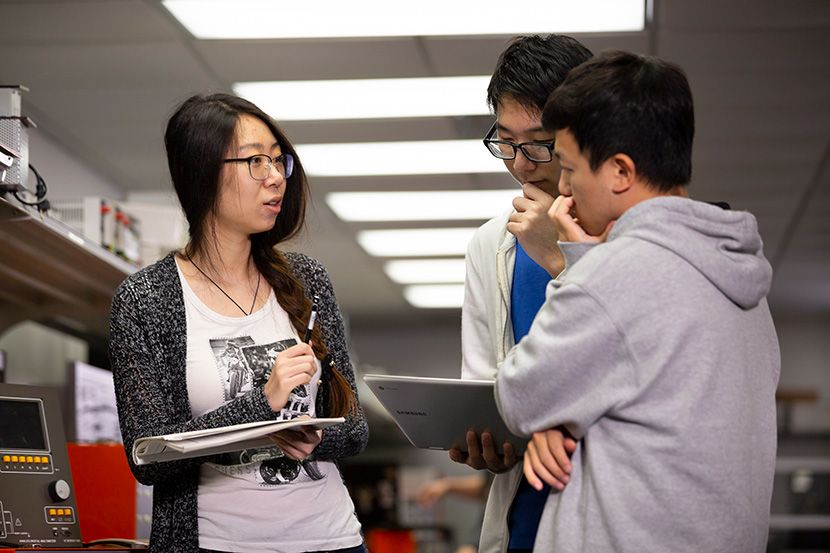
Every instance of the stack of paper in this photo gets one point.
(212, 441)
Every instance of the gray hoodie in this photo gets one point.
(657, 351)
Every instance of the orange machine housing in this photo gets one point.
(382, 540)
(105, 491)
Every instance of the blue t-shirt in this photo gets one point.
(526, 297)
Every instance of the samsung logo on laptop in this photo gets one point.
(413, 413)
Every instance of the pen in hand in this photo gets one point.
(312, 318)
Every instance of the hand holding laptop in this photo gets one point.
(440, 413)
(461, 416)
(482, 453)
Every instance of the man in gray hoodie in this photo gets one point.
(655, 348)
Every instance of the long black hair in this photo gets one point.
(197, 139)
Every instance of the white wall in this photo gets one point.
(66, 176)
(38, 355)
(431, 348)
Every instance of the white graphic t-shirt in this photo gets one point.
(259, 499)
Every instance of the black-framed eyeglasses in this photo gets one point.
(537, 152)
(259, 165)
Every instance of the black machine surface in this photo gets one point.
(37, 500)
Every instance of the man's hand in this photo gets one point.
(483, 455)
(548, 459)
(568, 227)
(535, 230)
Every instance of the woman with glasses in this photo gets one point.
(211, 336)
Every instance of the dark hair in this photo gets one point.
(621, 102)
(531, 67)
(197, 139)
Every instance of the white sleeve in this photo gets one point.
(477, 349)
(572, 367)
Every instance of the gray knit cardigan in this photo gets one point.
(148, 344)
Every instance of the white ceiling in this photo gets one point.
(104, 76)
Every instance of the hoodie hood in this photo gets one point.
(723, 245)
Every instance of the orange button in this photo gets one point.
(30, 459)
(53, 512)
(7, 458)
(14, 458)
(37, 459)
(60, 512)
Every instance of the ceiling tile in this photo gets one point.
(84, 22)
(268, 60)
(719, 16)
(95, 68)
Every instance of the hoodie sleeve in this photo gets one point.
(572, 367)
(573, 252)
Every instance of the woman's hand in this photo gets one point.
(293, 367)
(297, 443)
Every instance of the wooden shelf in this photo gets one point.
(49, 273)
(799, 522)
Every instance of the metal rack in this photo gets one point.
(49, 273)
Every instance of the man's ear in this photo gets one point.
(624, 173)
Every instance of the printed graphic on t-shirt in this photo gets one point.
(243, 364)
(267, 466)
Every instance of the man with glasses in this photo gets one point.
(510, 261)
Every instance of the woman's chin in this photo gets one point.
(263, 226)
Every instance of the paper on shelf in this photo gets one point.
(196, 443)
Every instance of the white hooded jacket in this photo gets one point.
(486, 337)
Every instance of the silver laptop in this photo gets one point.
(435, 413)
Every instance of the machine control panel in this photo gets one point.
(26, 463)
(37, 503)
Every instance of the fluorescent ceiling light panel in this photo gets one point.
(369, 98)
(432, 205)
(416, 242)
(425, 157)
(435, 296)
(258, 19)
(425, 271)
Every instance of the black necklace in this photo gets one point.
(256, 292)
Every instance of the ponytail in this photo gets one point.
(292, 297)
